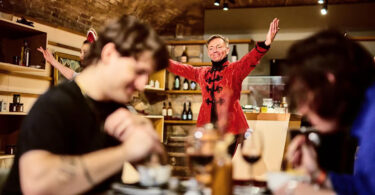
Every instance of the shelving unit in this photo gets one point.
(29, 82)
(158, 123)
(180, 122)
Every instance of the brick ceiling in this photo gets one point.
(163, 15)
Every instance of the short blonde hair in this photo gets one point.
(226, 40)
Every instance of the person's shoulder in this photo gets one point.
(63, 94)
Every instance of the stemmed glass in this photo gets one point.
(252, 150)
(200, 147)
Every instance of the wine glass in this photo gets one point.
(252, 149)
(200, 147)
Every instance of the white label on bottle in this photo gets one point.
(184, 59)
(186, 86)
(164, 112)
(27, 58)
(192, 85)
(170, 112)
(184, 117)
(234, 58)
(190, 117)
(177, 84)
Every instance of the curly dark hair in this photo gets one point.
(131, 38)
(309, 63)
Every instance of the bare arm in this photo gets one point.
(42, 172)
(67, 72)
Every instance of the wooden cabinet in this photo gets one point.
(28, 82)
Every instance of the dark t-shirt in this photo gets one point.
(63, 121)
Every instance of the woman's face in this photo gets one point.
(84, 50)
(321, 124)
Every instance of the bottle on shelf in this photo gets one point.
(185, 86)
(169, 111)
(157, 84)
(234, 54)
(184, 113)
(177, 83)
(184, 56)
(25, 54)
(189, 113)
(164, 110)
(284, 104)
(193, 85)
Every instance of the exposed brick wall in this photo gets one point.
(80, 15)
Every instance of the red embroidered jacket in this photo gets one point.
(218, 77)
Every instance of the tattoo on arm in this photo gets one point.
(86, 172)
(68, 168)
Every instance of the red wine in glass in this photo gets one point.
(251, 158)
(200, 159)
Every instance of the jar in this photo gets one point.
(19, 107)
(16, 98)
(10, 149)
(12, 107)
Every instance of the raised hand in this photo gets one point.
(274, 28)
(48, 56)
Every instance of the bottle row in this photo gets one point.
(24, 58)
(186, 85)
(15, 106)
(187, 113)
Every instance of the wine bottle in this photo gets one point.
(176, 85)
(189, 113)
(184, 56)
(184, 113)
(185, 85)
(169, 110)
(193, 85)
(234, 54)
(26, 54)
(164, 110)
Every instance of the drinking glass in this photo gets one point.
(252, 149)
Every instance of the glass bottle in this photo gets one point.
(189, 113)
(164, 110)
(184, 113)
(176, 84)
(169, 110)
(185, 85)
(184, 56)
(234, 54)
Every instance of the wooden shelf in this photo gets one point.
(202, 42)
(181, 122)
(6, 156)
(33, 93)
(16, 68)
(14, 113)
(196, 92)
(153, 89)
(177, 154)
(154, 116)
(367, 38)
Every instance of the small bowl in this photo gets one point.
(275, 180)
(154, 175)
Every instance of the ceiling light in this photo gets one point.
(324, 9)
(320, 1)
(217, 3)
(225, 6)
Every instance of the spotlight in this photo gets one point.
(225, 6)
(217, 2)
(320, 1)
(324, 9)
